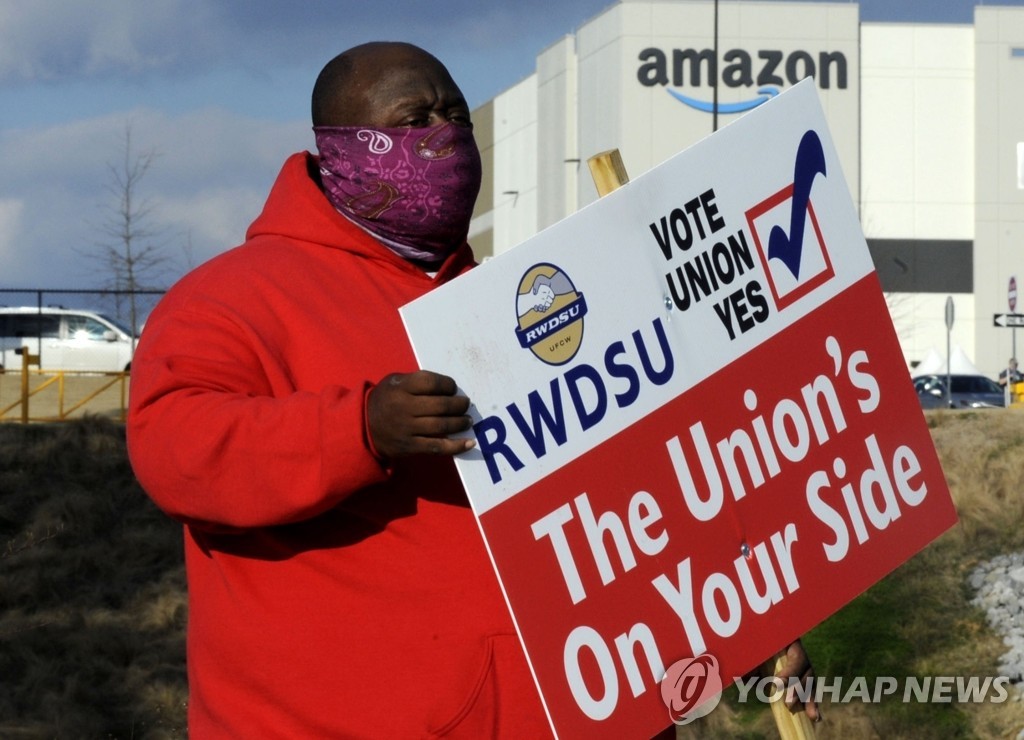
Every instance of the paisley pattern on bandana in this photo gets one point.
(412, 186)
(438, 144)
(373, 202)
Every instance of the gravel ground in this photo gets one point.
(999, 587)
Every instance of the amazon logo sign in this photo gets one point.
(763, 73)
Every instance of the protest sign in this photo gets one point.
(696, 434)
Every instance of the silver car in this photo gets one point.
(969, 392)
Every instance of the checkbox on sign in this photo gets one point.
(808, 265)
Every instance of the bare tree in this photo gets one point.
(129, 256)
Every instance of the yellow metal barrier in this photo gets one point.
(1017, 394)
(62, 393)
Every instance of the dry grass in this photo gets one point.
(983, 458)
(92, 598)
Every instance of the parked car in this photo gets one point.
(969, 391)
(64, 339)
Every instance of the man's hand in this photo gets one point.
(414, 413)
(798, 666)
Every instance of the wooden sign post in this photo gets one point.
(610, 174)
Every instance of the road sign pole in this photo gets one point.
(949, 354)
(1011, 300)
(1008, 386)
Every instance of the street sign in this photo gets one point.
(1008, 320)
(1011, 294)
(949, 313)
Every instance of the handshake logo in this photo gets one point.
(550, 312)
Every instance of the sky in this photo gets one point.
(216, 92)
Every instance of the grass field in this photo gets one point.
(92, 594)
(93, 605)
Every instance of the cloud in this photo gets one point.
(60, 40)
(11, 210)
(212, 167)
(48, 40)
(210, 173)
(207, 222)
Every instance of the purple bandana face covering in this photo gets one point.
(414, 187)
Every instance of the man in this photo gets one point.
(1010, 372)
(338, 584)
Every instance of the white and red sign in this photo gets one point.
(695, 430)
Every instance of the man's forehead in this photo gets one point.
(406, 76)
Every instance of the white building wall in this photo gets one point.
(515, 165)
(558, 160)
(917, 131)
(602, 95)
(999, 225)
(917, 160)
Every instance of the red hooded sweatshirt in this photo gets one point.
(328, 596)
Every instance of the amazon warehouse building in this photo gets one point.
(928, 120)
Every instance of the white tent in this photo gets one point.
(935, 364)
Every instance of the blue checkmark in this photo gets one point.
(810, 162)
